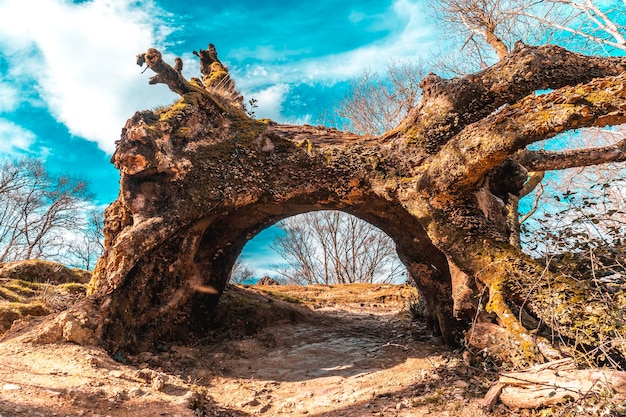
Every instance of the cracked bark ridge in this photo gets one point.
(200, 179)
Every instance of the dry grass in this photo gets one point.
(37, 288)
(342, 294)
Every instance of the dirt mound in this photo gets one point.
(38, 288)
(37, 270)
(245, 311)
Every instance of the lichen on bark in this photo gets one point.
(200, 178)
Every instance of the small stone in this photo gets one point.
(400, 406)
(252, 403)
(135, 392)
(11, 387)
(460, 383)
(158, 383)
(116, 374)
(265, 408)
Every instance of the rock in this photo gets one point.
(136, 392)
(154, 378)
(11, 387)
(74, 326)
(252, 403)
(460, 383)
(92, 361)
(266, 280)
(116, 373)
(158, 383)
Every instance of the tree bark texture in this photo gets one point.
(200, 179)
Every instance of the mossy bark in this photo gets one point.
(200, 179)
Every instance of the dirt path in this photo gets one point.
(345, 359)
(358, 362)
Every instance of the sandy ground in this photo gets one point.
(345, 359)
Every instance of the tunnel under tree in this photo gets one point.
(200, 178)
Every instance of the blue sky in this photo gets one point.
(68, 80)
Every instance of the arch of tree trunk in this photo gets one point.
(201, 178)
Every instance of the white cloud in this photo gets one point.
(411, 43)
(81, 60)
(8, 98)
(415, 40)
(269, 101)
(14, 139)
(78, 60)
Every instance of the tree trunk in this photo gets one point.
(200, 179)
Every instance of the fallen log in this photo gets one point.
(554, 383)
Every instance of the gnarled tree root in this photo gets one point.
(554, 383)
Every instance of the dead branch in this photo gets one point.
(549, 161)
(553, 383)
(165, 74)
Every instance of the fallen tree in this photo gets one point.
(200, 178)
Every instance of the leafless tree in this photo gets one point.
(584, 208)
(331, 247)
(484, 31)
(589, 25)
(85, 247)
(375, 103)
(38, 211)
(242, 271)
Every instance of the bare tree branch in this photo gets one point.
(39, 212)
(550, 161)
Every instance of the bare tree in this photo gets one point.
(331, 247)
(484, 31)
(86, 246)
(39, 211)
(375, 103)
(584, 208)
(242, 271)
(589, 25)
